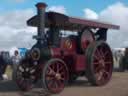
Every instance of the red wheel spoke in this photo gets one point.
(57, 67)
(56, 84)
(97, 69)
(55, 74)
(60, 83)
(51, 70)
(61, 68)
(52, 67)
(49, 77)
(98, 76)
(51, 83)
(106, 53)
(101, 53)
(98, 54)
(102, 78)
(105, 75)
(62, 73)
(96, 57)
(102, 73)
(62, 78)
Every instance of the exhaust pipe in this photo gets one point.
(41, 21)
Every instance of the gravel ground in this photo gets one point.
(118, 86)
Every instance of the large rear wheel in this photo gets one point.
(55, 75)
(99, 63)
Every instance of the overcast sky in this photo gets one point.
(13, 15)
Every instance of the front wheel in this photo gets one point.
(55, 75)
(25, 76)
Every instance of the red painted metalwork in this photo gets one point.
(55, 75)
(80, 63)
(99, 63)
(55, 52)
(86, 38)
(69, 44)
(92, 23)
(77, 55)
(103, 64)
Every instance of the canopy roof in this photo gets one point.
(68, 23)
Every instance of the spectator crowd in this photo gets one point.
(5, 60)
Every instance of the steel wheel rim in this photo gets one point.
(56, 76)
(26, 83)
(103, 64)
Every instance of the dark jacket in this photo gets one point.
(2, 65)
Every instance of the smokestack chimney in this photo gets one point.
(41, 20)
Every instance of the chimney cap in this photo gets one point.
(41, 5)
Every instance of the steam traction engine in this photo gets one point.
(57, 59)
